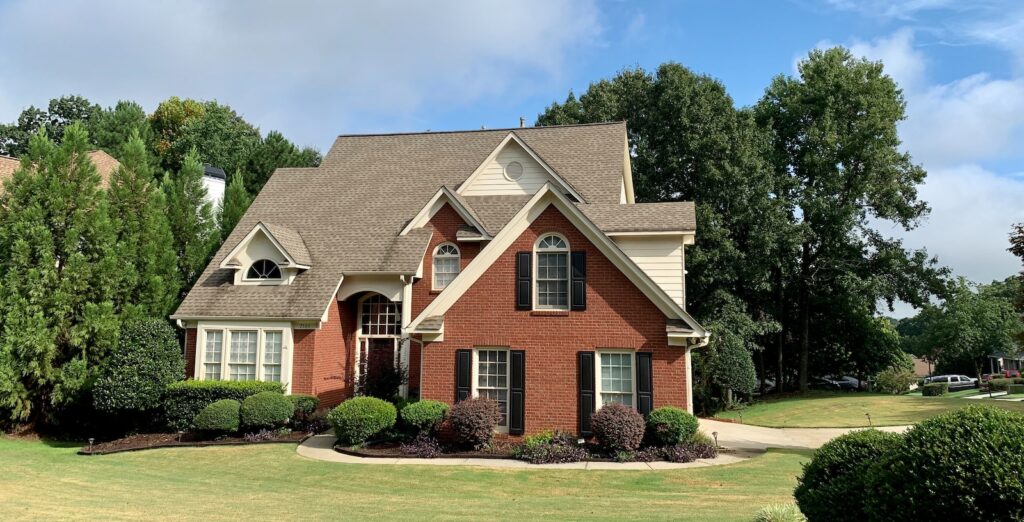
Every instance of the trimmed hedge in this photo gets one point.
(266, 410)
(424, 416)
(135, 377)
(1004, 384)
(218, 418)
(618, 428)
(473, 420)
(187, 398)
(305, 405)
(669, 425)
(935, 389)
(1015, 389)
(359, 418)
(962, 465)
(832, 486)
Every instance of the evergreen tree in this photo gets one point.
(58, 257)
(191, 218)
(236, 201)
(274, 152)
(112, 128)
(149, 282)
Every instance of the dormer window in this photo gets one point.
(263, 270)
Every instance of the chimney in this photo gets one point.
(522, 122)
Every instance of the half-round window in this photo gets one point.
(552, 261)
(263, 269)
(446, 265)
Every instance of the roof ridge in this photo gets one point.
(510, 129)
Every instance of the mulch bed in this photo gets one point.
(144, 441)
(393, 449)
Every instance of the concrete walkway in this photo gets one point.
(741, 442)
(757, 438)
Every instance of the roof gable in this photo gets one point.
(512, 169)
(441, 197)
(285, 240)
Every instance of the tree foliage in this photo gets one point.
(59, 262)
(273, 152)
(191, 219)
(236, 202)
(112, 128)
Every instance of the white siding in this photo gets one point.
(661, 258)
(492, 180)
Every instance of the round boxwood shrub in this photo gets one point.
(357, 419)
(186, 399)
(219, 417)
(424, 416)
(618, 428)
(669, 425)
(961, 465)
(832, 486)
(473, 421)
(935, 389)
(305, 405)
(135, 377)
(266, 410)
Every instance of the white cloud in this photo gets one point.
(897, 9)
(294, 64)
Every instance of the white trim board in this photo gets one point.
(260, 227)
(435, 204)
(544, 198)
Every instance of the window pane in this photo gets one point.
(242, 359)
(272, 356)
(553, 280)
(381, 316)
(617, 378)
(492, 379)
(214, 355)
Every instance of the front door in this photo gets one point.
(379, 377)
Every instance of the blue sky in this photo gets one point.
(314, 69)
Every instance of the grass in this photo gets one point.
(45, 480)
(847, 409)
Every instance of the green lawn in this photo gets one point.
(846, 410)
(42, 480)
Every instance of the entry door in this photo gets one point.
(380, 357)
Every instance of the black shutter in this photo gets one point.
(585, 378)
(579, 280)
(517, 397)
(463, 371)
(644, 383)
(524, 275)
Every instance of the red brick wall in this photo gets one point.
(190, 352)
(618, 316)
(323, 359)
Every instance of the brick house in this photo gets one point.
(512, 264)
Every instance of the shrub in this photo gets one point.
(473, 420)
(266, 410)
(832, 486)
(135, 377)
(670, 425)
(186, 399)
(359, 418)
(700, 446)
(384, 383)
(262, 435)
(1015, 389)
(935, 389)
(305, 405)
(618, 428)
(424, 416)
(780, 513)
(1004, 384)
(894, 381)
(550, 448)
(219, 417)
(965, 464)
(424, 447)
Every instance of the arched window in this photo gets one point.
(446, 265)
(263, 269)
(552, 261)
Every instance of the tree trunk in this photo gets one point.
(779, 378)
(805, 315)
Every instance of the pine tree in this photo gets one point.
(149, 282)
(191, 218)
(59, 259)
(236, 201)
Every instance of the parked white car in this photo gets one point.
(956, 382)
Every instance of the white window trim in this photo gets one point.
(568, 274)
(261, 327)
(401, 349)
(599, 401)
(433, 264)
(508, 379)
(280, 270)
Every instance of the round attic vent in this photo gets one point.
(514, 171)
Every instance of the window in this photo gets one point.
(615, 378)
(272, 356)
(242, 361)
(552, 254)
(263, 269)
(446, 265)
(492, 379)
(381, 316)
(214, 354)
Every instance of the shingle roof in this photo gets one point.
(292, 243)
(642, 217)
(350, 210)
(105, 166)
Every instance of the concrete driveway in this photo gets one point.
(758, 438)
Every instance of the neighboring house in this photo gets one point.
(922, 368)
(105, 166)
(512, 264)
(1000, 362)
(214, 180)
